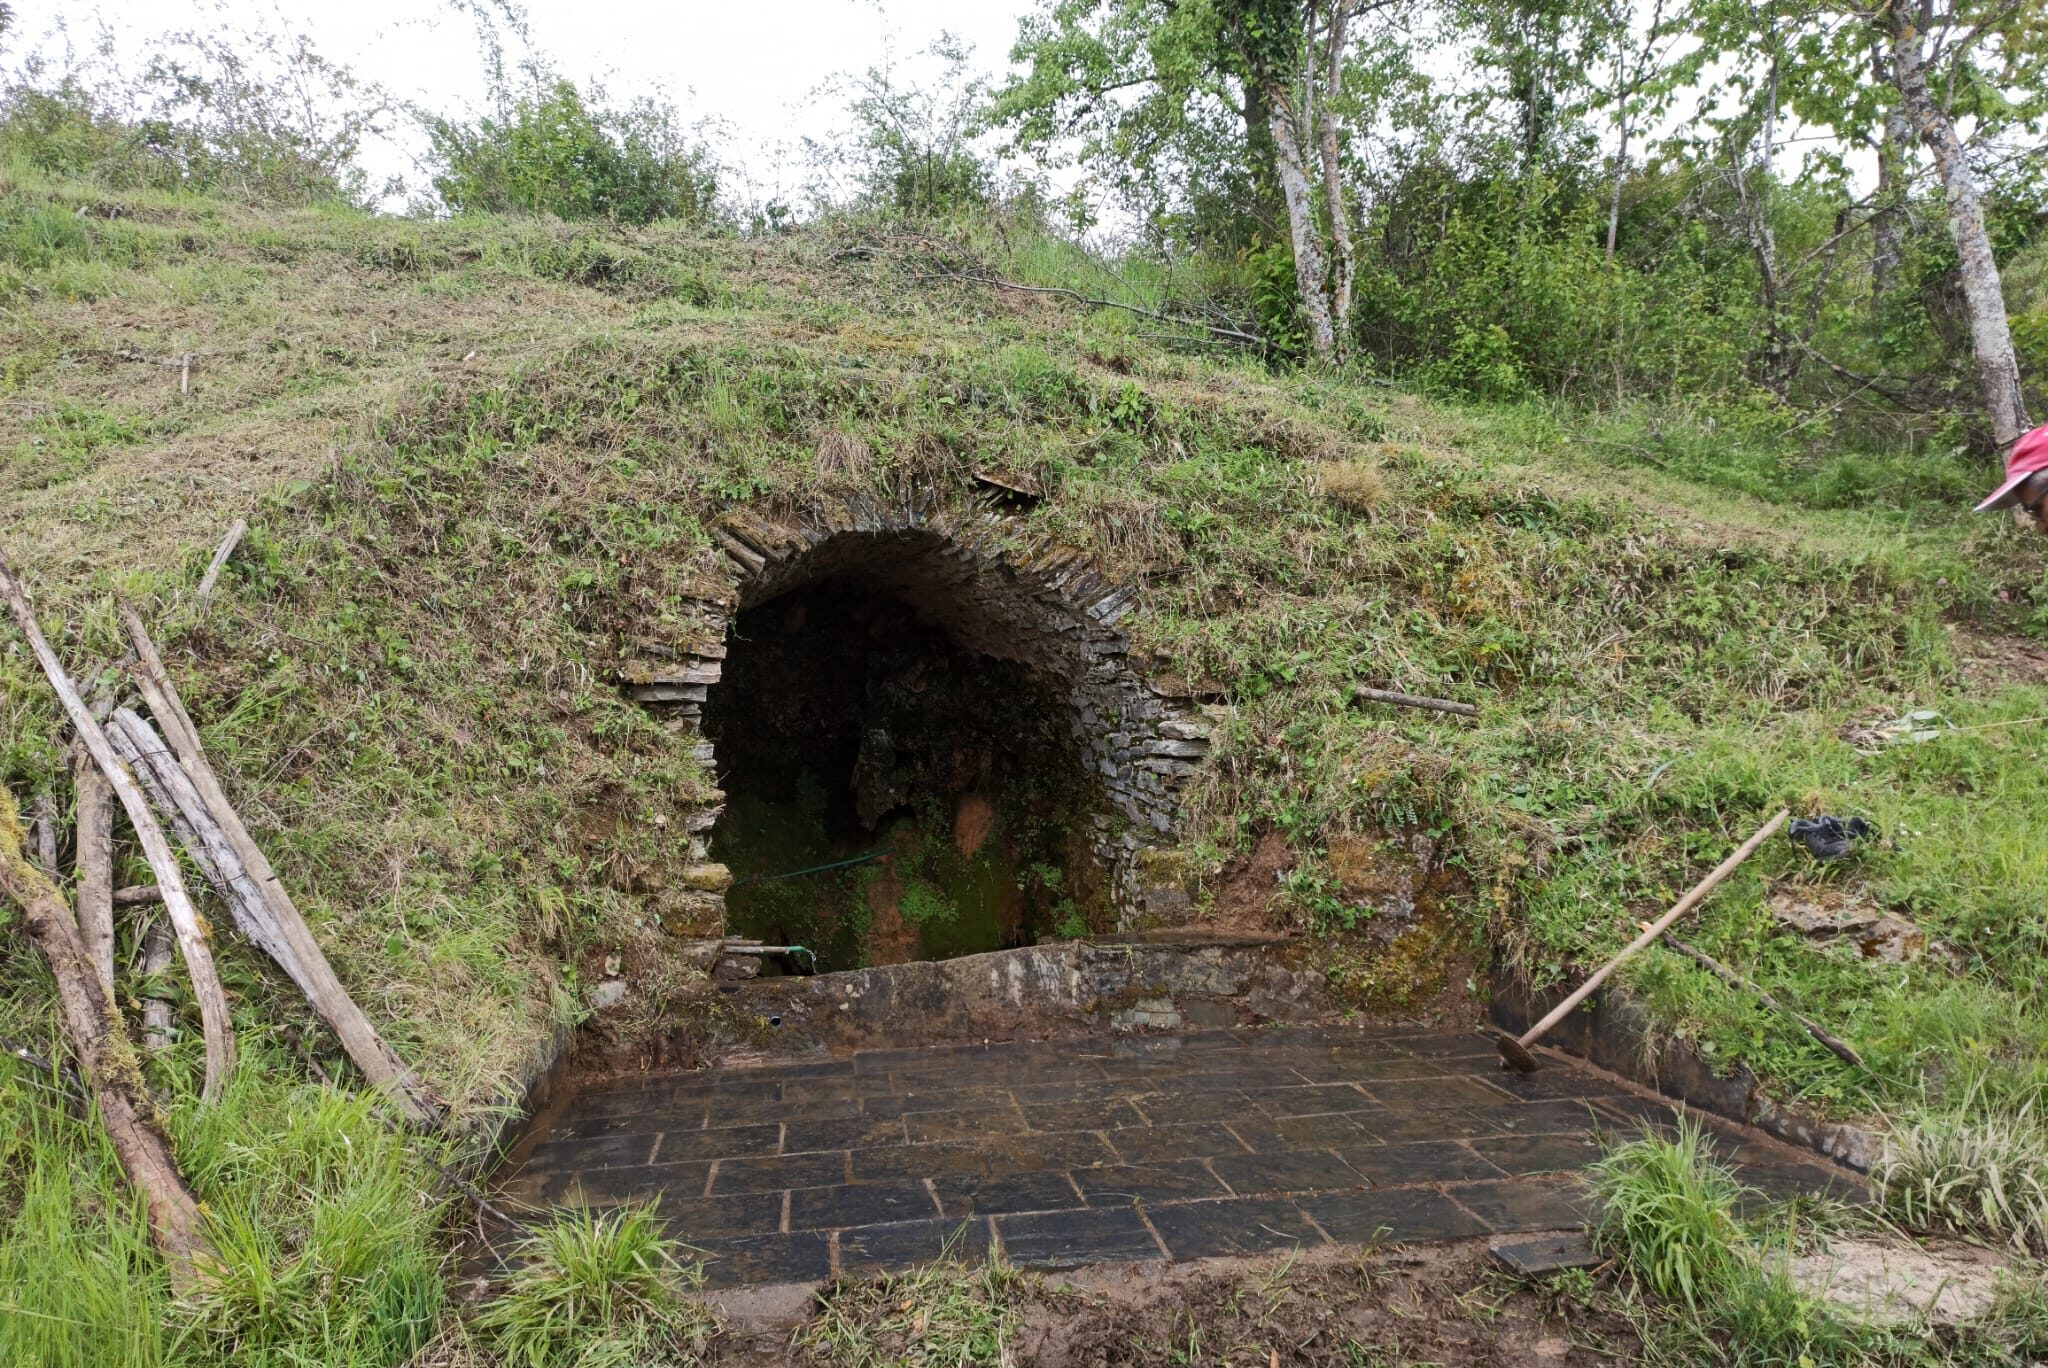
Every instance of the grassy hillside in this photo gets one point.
(481, 460)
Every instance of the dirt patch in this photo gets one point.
(973, 820)
(1986, 658)
(1248, 885)
(1448, 1305)
(1892, 1280)
(891, 938)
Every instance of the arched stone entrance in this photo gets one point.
(897, 680)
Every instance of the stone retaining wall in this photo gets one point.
(1065, 987)
(1041, 606)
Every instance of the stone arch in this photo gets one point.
(1041, 609)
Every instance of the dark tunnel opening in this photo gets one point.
(892, 794)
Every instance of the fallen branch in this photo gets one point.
(1236, 335)
(1405, 700)
(157, 1011)
(138, 895)
(109, 1062)
(42, 834)
(265, 910)
(213, 1002)
(220, 561)
(94, 864)
(1736, 980)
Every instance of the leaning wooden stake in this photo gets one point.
(262, 906)
(95, 864)
(1833, 1042)
(220, 560)
(1514, 1051)
(109, 1062)
(213, 1002)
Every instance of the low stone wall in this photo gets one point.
(1068, 987)
(1615, 1032)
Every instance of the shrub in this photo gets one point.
(556, 150)
(258, 114)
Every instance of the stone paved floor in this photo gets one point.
(1090, 1150)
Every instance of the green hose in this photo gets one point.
(814, 869)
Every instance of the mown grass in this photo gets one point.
(482, 457)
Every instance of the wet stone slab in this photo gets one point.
(1062, 1153)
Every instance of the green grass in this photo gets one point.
(1668, 1210)
(597, 1290)
(1972, 1164)
(946, 1314)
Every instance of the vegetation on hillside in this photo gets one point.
(1680, 572)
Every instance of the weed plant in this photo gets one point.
(1971, 1165)
(598, 1290)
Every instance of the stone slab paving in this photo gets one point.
(1091, 1150)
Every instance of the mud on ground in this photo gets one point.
(1439, 1304)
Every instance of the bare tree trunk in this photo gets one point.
(95, 865)
(1888, 224)
(213, 1002)
(1998, 368)
(1332, 131)
(1629, 80)
(109, 1062)
(1311, 272)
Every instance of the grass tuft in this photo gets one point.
(949, 1313)
(1971, 1165)
(598, 1289)
(1668, 1213)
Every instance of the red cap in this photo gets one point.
(2029, 457)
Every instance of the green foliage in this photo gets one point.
(257, 114)
(924, 905)
(912, 149)
(556, 149)
(320, 1213)
(1973, 1164)
(596, 1290)
(1668, 1212)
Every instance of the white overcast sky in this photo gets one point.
(753, 65)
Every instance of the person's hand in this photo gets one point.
(2032, 509)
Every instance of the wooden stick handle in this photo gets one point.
(1408, 700)
(1657, 927)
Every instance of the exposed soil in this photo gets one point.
(1248, 885)
(1988, 659)
(1438, 1304)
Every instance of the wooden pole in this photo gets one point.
(1512, 1046)
(175, 1225)
(1407, 700)
(269, 916)
(157, 1013)
(220, 561)
(213, 1002)
(95, 864)
(1735, 980)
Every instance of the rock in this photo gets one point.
(1893, 939)
(707, 878)
(609, 993)
(1891, 1280)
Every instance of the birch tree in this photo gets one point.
(1937, 52)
